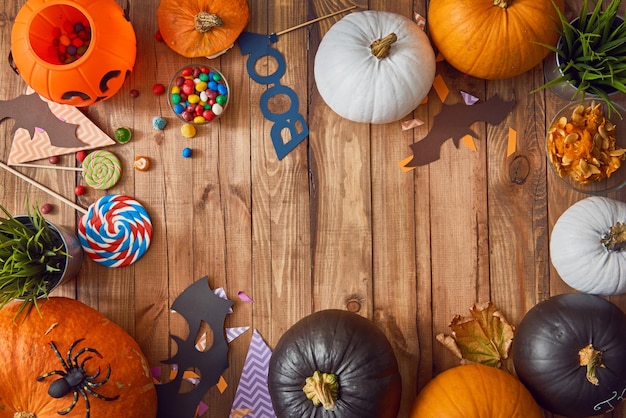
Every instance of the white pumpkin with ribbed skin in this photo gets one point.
(360, 87)
(576, 250)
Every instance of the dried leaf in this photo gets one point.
(484, 337)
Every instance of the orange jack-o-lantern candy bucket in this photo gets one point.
(75, 52)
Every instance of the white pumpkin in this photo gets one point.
(587, 246)
(358, 85)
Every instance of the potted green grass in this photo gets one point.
(35, 256)
(590, 57)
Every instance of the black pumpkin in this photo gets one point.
(341, 347)
(558, 335)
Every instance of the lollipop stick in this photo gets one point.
(44, 188)
(314, 20)
(50, 167)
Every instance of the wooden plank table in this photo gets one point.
(335, 224)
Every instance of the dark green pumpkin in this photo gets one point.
(346, 345)
(546, 354)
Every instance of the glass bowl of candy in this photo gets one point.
(586, 146)
(198, 94)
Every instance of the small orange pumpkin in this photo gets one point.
(475, 391)
(83, 337)
(493, 39)
(202, 28)
(82, 78)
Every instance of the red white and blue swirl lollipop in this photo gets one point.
(116, 231)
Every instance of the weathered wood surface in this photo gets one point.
(335, 224)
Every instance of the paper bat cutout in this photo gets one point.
(196, 304)
(454, 122)
(30, 112)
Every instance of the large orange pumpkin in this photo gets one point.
(493, 39)
(27, 354)
(90, 77)
(202, 28)
(475, 391)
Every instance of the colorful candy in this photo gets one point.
(46, 208)
(69, 42)
(198, 94)
(159, 123)
(101, 169)
(80, 155)
(116, 231)
(141, 163)
(188, 130)
(187, 152)
(158, 89)
(123, 135)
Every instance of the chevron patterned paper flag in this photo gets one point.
(252, 393)
(25, 148)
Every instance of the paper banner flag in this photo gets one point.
(222, 293)
(222, 384)
(232, 333)
(245, 298)
(252, 391)
(441, 88)
(53, 139)
(468, 141)
(419, 20)
(410, 124)
(468, 98)
(202, 408)
(512, 143)
(241, 412)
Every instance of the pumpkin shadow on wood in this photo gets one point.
(197, 304)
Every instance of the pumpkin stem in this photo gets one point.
(204, 21)
(322, 389)
(380, 47)
(592, 358)
(24, 415)
(615, 238)
(501, 3)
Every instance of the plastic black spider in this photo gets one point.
(74, 378)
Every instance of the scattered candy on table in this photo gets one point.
(123, 135)
(188, 130)
(54, 159)
(158, 36)
(158, 89)
(116, 231)
(80, 156)
(102, 169)
(198, 94)
(159, 123)
(134, 93)
(187, 152)
(79, 190)
(141, 163)
(46, 208)
(70, 41)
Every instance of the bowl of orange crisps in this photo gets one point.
(586, 146)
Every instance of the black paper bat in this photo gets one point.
(30, 111)
(454, 122)
(196, 304)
